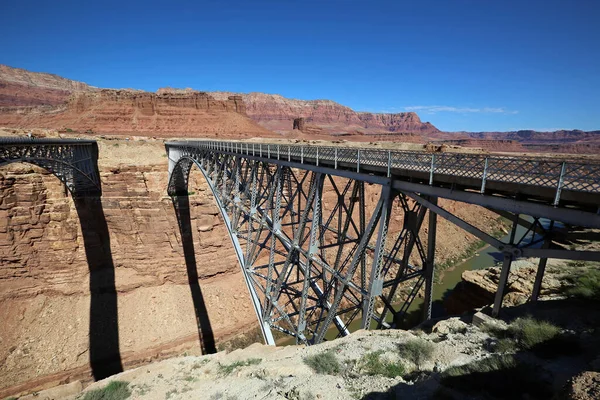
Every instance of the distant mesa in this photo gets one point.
(278, 113)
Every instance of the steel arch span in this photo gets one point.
(74, 162)
(313, 242)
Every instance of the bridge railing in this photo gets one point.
(556, 173)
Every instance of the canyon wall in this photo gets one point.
(278, 113)
(166, 113)
(45, 280)
(22, 88)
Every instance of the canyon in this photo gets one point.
(45, 279)
(45, 293)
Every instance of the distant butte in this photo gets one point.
(33, 99)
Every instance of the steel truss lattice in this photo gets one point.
(315, 248)
(74, 162)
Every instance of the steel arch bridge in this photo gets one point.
(74, 162)
(313, 242)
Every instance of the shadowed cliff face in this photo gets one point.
(105, 357)
(80, 294)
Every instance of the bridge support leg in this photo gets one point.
(429, 268)
(508, 258)
(375, 281)
(537, 285)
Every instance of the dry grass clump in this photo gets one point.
(229, 368)
(416, 350)
(115, 390)
(373, 364)
(586, 285)
(324, 363)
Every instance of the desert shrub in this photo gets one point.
(229, 368)
(416, 350)
(493, 329)
(523, 333)
(372, 364)
(505, 345)
(529, 332)
(489, 364)
(323, 363)
(499, 377)
(586, 285)
(115, 390)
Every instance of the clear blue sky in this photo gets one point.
(461, 64)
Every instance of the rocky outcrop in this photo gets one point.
(585, 386)
(278, 113)
(478, 287)
(299, 124)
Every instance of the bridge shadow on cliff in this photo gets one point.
(181, 204)
(105, 358)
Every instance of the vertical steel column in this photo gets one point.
(313, 249)
(275, 217)
(429, 270)
(361, 226)
(376, 281)
(508, 258)
(537, 285)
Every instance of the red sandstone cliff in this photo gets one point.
(277, 112)
(31, 100)
(166, 113)
(19, 87)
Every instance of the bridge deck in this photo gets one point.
(566, 183)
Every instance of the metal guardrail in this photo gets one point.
(558, 174)
(30, 141)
